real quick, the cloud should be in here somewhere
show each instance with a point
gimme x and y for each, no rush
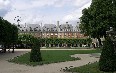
(24, 16)
(30, 4)
(5, 7)
(81, 3)
(77, 13)
(32, 11)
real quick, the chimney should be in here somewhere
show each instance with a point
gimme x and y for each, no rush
(66, 26)
(57, 25)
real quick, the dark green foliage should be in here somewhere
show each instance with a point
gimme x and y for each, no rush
(114, 15)
(35, 55)
(107, 60)
(98, 18)
(8, 33)
(26, 39)
(67, 41)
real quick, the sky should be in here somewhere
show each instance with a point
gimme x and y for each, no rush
(43, 11)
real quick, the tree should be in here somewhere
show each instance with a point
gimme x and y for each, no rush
(107, 62)
(114, 14)
(25, 39)
(8, 33)
(35, 55)
(14, 35)
(96, 19)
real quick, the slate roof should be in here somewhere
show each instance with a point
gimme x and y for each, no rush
(67, 27)
(48, 27)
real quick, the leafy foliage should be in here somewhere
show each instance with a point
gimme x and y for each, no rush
(107, 60)
(67, 41)
(98, 18)
(26, 39)
(8, 33)
(35, 55)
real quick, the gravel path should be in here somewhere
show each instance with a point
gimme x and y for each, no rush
(6, 67)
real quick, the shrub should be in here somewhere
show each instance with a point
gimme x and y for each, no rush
(107, 62)
(35, 55)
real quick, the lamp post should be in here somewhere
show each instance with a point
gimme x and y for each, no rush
(112, 35)
(18, 20)
(41, 31)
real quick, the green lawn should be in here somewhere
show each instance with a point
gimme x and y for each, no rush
(89, 68)
(51, 56)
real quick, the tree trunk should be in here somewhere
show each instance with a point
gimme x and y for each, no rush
(13, 49)
(4, 49)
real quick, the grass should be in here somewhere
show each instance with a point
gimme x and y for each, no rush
(89, 68)
(51, 56)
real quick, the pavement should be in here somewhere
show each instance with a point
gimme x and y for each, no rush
(47, 49)
(7, 67)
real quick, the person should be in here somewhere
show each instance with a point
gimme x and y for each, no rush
(93, 45)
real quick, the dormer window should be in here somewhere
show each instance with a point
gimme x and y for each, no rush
(31, 30)
(35, 29)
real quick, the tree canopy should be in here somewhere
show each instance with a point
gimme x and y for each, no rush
(98, 18)
(8, 32)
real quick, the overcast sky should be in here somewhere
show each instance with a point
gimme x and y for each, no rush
(45, 11)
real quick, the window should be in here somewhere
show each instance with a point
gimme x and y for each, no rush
(35, 29)
(56, 34)
(51, 33)
(60, 29)
(60, 34)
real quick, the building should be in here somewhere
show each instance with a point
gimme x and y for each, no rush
(52, 31)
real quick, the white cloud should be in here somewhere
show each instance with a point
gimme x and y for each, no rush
(30, 10)
(25, 4)
(26, 17)
(80, 3)
(5, 6)
(76, 14)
